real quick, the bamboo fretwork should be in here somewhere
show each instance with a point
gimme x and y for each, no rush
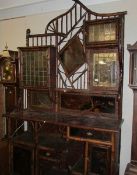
(60, 31)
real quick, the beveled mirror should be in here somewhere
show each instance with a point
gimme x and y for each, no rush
(72, 56)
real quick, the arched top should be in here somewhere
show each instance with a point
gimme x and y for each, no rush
(78, 12)
(68, 24)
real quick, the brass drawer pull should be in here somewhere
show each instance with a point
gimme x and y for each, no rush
(48, 154)
(89, 134)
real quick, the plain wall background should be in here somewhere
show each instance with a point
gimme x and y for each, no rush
(13, 32)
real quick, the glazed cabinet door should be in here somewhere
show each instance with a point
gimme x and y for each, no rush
(37, 67)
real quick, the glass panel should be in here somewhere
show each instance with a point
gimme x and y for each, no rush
(75, 102)
(103, 104)
(40, 100)
(87, 104)
(35, 68)
(104, 69)
(102, 32)
(8, 71)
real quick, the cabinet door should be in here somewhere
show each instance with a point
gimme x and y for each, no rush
(38, 67)
(103, 69)
(100, 160)
(102, 32)
(10, 98)
(22, 161)
(4, 157)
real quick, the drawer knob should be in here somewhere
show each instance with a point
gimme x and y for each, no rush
(47, 154)
(89, 134)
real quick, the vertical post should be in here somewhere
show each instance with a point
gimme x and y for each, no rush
(35, 152)
(27, 37)
(56, 57)
(134, 130)
(86, 159)
(112, 152)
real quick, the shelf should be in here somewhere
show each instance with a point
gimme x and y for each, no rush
(97, 122)
(52, 141)
(25, 138)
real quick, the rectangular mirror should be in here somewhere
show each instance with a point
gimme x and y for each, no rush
(105, 69)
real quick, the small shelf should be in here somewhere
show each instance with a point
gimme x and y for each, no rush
(25, 138)
(52, 141)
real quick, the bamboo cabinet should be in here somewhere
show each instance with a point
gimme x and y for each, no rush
(69, 113)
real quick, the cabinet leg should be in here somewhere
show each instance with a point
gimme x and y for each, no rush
(86, 159)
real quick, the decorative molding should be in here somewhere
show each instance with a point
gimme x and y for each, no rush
(31, 7)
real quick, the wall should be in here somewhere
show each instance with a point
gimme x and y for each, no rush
(13, 32)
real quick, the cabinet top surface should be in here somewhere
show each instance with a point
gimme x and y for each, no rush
(79, 121)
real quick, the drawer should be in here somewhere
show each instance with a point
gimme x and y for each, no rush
(90, 134)
(50, 155)
(48, 168)
(55, 160)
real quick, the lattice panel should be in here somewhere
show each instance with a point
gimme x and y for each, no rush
(37, 67)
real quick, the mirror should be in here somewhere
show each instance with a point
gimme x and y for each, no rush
(72, 57)
(104, 69)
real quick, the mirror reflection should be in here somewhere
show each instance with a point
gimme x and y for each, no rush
(104, 69)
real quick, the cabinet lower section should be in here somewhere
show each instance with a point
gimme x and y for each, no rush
(42, 147)
(68, 161)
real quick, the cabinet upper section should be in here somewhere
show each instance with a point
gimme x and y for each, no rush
(76, 65)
